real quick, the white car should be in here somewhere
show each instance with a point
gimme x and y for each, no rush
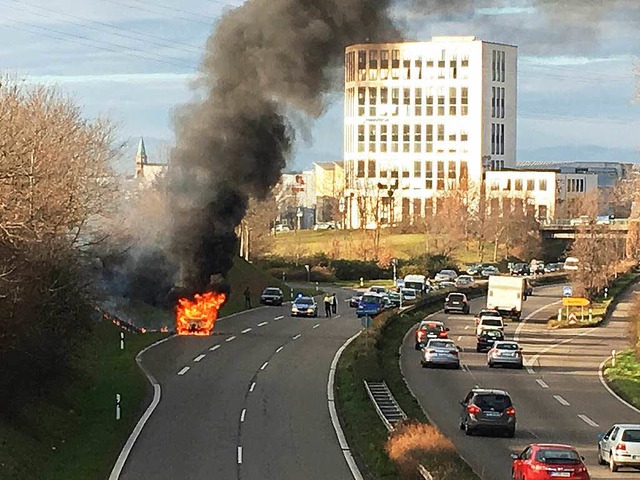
(620, 447)
(408, 294)
(465, 281)
(489, 323)
(446, 276)
(505, 353)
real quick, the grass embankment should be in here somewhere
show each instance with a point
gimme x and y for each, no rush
(374, 355)
(70, 432)
(600, 306)
(624, 378)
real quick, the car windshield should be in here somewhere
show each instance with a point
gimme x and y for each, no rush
(489, 313)
(493, 334)
(272, 291)
(377, 289)
(507, 346)
(440, 344)
(370, 299)
(408, 291)
(456, 297)
(304, 301)
(557, 455)
(492, 322)
(632, 436)
(492, 401)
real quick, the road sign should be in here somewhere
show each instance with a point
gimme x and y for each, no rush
(567, 291)
(299, 213)
(575, 302)
(573, 319)
(366, 321)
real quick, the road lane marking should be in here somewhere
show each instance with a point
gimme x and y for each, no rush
(316, 325)
(214, 348)
(231, 338)
(184, 370)
(542, 383)
(279, 349)
(561, 400)
(459, 338)
(614, 394)
(264, 365)
(253, 385)
(263, 324)
(199, 357)
(297, 336)
(530, 370)
(244, 412)
(239, 455)
(246, 330)
(587, 420)
(337, 316)
(536, 357)
(532, 433)
(279, 318)
(466, 327)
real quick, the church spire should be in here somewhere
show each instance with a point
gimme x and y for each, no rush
(141, 155)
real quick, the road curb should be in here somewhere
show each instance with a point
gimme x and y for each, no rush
(344, 446)
(157, 393)
(604, 383)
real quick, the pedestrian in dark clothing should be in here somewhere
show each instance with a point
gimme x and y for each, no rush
(327, 305)
(247, 297)
(334, 304)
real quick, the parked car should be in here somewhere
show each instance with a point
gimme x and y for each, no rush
(456, 302)
(486, 339)
(428, 330)
(488, 409)
(304, 307)
(371, 304)
(477, 268)
(446, 275)
(272, 296)
(378, 289)
(553, 267)
(548, 461)
(490, 270)
(520, 269)
(620, 447)
(465, 281)
(408, 294)
(354, 301)
(440, 352)
(507, 354)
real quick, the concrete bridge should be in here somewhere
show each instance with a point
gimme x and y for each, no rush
(570, 229)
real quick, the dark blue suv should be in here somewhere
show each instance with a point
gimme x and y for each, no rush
(371, 304)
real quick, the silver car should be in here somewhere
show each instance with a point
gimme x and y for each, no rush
(620, 447)
(440, 352)
(507, 354)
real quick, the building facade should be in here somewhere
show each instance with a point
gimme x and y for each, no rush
(421, 119)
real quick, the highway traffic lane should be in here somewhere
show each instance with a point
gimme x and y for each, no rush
(193, 432)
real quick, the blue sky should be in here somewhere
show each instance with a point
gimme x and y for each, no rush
(133, 60)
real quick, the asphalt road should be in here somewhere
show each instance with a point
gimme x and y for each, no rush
(558, 398)
(249, 402)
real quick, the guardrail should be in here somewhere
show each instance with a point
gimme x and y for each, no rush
(575, 222)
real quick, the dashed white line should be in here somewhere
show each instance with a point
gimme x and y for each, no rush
(253, 385)
(466, 327)
(279, 349)
(262, 324)
(214, 348)
(231, 338)
(587, 420)
(242, 415)
(239, 455)
(184, 370)
(199, 357)
(542, 383)
(297, 336)
(279, 317)
(459, 338)
(264, 365)
(246, 330)
(337, 316)
(530, 370)
(561, 400)
(316, 325)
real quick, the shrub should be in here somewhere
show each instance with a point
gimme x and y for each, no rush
(354, 269)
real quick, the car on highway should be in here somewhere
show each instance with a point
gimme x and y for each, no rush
(488, 409)
(553, 267)
(520, 269)
(490, 270)
(440, 352)
(476, 268)
(371, 304)
(548, 461)
(489, 323)
(304, 307)
(428, 330)
(465, 281)
(456, 302)
(486, 339)
(620, 447)
(378, 289)
(486, 312)
(354, 301)
(272, 296)
(506, 354)
(446, 275)
(447, 284)
(394, 299)
(408, 294)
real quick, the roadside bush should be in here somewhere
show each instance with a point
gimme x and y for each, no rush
(354, 269)
(429, 264)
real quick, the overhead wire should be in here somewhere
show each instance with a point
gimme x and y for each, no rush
(143, 9)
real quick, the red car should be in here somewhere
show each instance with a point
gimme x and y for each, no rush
(428, 330)
(544, 461)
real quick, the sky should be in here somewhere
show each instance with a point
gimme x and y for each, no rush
(134, 61)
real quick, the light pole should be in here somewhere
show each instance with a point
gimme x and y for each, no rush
(394, 264)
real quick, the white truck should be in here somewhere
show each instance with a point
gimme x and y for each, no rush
(416, 282)
(506, 294)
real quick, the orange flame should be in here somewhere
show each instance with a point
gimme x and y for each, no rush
(198, 316)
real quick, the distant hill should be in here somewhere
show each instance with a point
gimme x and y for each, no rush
(579, 153)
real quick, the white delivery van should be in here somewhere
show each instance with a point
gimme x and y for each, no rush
(416, 282)
(506, 294)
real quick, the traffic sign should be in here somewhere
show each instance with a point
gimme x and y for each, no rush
(567, 291)
(573, 319)
(366, 321)
(575, 302)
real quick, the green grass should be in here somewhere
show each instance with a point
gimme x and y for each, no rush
(71, 432)
(624, 378)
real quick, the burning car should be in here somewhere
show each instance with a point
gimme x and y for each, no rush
(198, 316)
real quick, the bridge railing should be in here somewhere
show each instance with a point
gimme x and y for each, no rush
(575, 223)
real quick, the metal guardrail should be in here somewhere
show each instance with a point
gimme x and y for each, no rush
(388, 409)
(575, 223)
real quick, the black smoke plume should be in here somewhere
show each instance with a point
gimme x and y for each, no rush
(267, 61)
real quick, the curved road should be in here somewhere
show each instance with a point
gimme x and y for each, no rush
(249, 402)
(558, 398)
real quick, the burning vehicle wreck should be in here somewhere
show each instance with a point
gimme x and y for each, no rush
(198, 316)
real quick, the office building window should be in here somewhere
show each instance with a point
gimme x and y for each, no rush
(502, 66)
(464, 174)
(452, 170)
(464, 136)
(464, 106)
(406, 101)
(371, 170)
(372, 138)
(441, 132)
(383, 173)
(361, 138)
(360, 168)
(406, 68)
(395, 99)
(453, 100)
(428, 168)
(406, 138)
(493, 64)
(384, 59)
(531, 185)
(507, 186)
(440, 101)
(502, 139)
(361, 100)
(405, 173)
(502, 112)
(428, 184)
(493, 139)
(394, 173)
(417, 138)
(383, 138)
(493, 102)
(418, 102)
(429, 101)
(542, 185)
(384, 95)
(417, 169)
(394, 138)
(518, 184)
(373, 59)
(429, 138)
(452, 137)
(373, 101)
(495, 185)
(464, 61)
(542, 212)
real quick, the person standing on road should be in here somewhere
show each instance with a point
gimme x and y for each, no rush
(334, 303)
(327, 305)
(247, 297)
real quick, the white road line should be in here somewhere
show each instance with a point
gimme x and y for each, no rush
(263, 324)
(337, 316)
(231, 338)
(279, 349)
(561, 400)
(542, 383)
(239, 455)
(316, 325)
(199, 357)
(530, 370)
(184, 370)
(264, 365)
(214, 348)
(587, 420)
(297, 336)
(532, 433)
(253, 385)
(466, 327)
(246, 330)
(279, 318)
(459, 338)
(536, 357)
(242, 415)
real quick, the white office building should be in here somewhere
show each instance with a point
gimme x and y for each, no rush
(423, 118)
